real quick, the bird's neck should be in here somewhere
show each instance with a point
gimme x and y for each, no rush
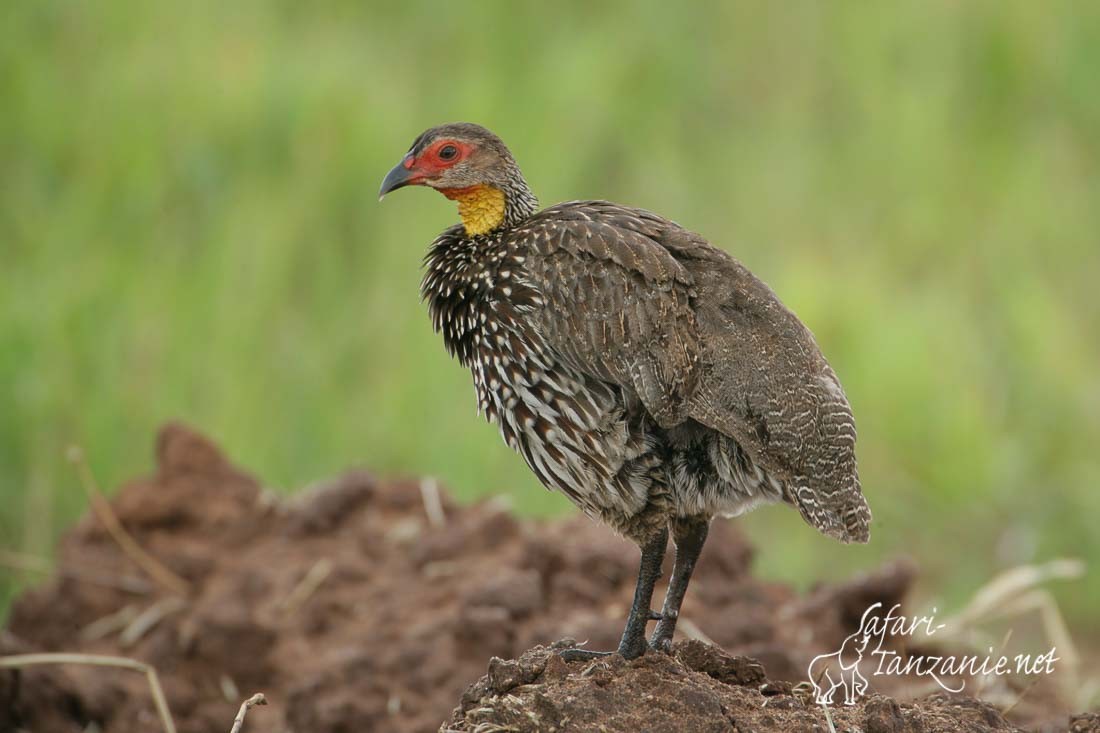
(484, 208)
(481, 208)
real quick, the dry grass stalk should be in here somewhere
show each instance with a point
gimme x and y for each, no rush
(433, 505)
(112, 623)
(230, 691)
(1016, 592)
(17, 661)
(102, 508)
(1019, 697)
(307, 586)
(238, 722)
(148, 619)
(488, 727)
(990, 600)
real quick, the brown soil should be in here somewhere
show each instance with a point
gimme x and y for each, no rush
(353, 611)
(698, 688)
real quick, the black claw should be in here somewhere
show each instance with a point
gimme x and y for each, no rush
(654, 615)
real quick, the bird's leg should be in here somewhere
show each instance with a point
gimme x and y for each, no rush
(633, 642)
(690, 535)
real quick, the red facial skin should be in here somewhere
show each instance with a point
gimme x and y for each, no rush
(428, 164)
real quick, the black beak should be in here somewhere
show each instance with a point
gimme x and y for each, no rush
(399, 177)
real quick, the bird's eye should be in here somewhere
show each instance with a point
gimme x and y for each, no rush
(448, 152)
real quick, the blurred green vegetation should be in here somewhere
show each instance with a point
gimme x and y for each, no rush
(189, 228)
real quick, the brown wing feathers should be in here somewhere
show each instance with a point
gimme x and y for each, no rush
(635, 300)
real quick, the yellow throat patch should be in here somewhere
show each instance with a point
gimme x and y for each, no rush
(480, 207)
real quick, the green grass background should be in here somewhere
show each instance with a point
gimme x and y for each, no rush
(189, 228)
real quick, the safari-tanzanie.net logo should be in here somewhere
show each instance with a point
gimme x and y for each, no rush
(840, 676)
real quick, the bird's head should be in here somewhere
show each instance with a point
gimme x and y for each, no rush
(469, 164)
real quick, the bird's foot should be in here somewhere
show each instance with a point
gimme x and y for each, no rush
(661, 641)
(662, 645)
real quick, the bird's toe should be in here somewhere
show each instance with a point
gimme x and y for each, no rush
(582, 655)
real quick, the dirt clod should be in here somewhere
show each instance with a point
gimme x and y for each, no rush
(719, 665)
(1085, 723)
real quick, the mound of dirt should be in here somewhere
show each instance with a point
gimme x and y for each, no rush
(365, 605)
(698, 688)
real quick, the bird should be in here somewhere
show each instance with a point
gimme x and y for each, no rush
(639, 370)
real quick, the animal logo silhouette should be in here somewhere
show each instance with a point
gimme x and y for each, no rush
(830, 672)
